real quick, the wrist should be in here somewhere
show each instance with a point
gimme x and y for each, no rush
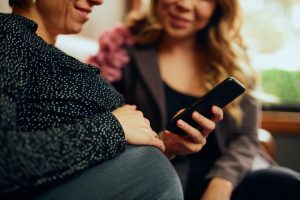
(218, 188)
(221, 182)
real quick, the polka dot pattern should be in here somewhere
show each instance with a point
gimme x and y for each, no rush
(55, 111)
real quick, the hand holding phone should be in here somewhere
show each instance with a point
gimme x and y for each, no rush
(220, 96)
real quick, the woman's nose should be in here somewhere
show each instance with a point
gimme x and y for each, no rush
(185, 4)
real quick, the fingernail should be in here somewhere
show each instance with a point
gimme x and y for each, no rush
(216, 109)
(196, 114)
(180, 123)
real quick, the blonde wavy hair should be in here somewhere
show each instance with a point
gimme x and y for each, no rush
(226, 52)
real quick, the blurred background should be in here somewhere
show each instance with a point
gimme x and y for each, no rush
(271, 30)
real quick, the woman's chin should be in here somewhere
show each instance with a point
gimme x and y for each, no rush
(74, 30)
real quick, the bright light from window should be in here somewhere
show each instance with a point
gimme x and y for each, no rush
(270, 32)
(252, 6)
(296, 17)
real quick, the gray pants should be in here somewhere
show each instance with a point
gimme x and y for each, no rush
(139, 173)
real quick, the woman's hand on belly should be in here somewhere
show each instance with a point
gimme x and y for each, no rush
(136, 127)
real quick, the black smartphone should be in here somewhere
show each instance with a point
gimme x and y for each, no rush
(220, 96)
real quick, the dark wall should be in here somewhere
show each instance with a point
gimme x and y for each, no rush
(287, 150)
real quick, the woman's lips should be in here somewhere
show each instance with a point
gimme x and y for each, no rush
(84, 12)
(179, 22)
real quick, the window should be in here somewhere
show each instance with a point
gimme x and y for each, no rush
(271, 29)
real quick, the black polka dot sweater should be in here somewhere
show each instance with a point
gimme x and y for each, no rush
(55, 111)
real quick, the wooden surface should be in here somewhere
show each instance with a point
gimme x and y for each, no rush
(281, 122)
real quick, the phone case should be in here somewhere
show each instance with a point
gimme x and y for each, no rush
(221, 95)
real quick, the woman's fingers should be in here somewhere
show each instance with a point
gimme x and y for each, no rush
(206, 124)
(157, 142)
(149, 137)
(195, 137)
(182, 145)
(131, 107)
(192, 132)
(136, 127)
(197, 134)
(218, 114)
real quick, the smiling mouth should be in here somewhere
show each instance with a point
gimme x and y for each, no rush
(84, 12)
(179, 22)
(180, 19)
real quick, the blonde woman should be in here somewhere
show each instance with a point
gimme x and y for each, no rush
(176, 52)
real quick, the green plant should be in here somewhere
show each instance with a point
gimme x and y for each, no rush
(283, 84)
